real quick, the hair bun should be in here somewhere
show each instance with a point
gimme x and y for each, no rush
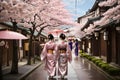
(62, 36)
(50, 37)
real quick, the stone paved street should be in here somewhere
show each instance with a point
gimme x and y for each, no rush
(79, 69)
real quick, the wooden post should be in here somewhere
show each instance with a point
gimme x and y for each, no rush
(2, 43)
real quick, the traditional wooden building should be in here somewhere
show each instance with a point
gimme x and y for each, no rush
(7, 49)
(103, 41)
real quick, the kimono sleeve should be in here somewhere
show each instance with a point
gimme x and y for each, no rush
(44, 52)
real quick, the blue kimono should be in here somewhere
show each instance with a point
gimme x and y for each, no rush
(76, 48)
(70, 44)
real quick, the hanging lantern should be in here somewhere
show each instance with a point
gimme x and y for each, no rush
(105, 36)
(118, 28)
(96, 35)
(2, 43)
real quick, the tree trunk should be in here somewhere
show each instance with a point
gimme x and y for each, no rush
(14, 68)
(1, 63)
(30, 51)
(7, 57)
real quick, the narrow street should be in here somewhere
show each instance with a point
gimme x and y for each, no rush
(29, 29)
(78, 70)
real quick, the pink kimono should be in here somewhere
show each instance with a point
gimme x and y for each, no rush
(64, 55)
(49, 58)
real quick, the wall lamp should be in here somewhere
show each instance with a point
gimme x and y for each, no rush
(96, 33)
(118, 29)
(105, 35)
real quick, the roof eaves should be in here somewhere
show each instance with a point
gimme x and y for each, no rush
(90, 21)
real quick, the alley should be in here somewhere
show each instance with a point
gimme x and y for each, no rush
(78, 70)
(90, 26)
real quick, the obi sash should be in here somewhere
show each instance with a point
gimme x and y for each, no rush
(50, 51)
(62, 50)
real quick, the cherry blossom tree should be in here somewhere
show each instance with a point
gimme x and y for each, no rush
(11, 11)
(45, 15)
(76, 31)
(90, 29)
(2, 43)
(108, 3)
(36, 15)
(112, 13)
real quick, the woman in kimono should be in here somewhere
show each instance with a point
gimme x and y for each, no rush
(63, 55)
(70, 44)
(48, 56)
(76, 48)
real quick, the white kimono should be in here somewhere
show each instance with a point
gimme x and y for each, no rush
(64, 56)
